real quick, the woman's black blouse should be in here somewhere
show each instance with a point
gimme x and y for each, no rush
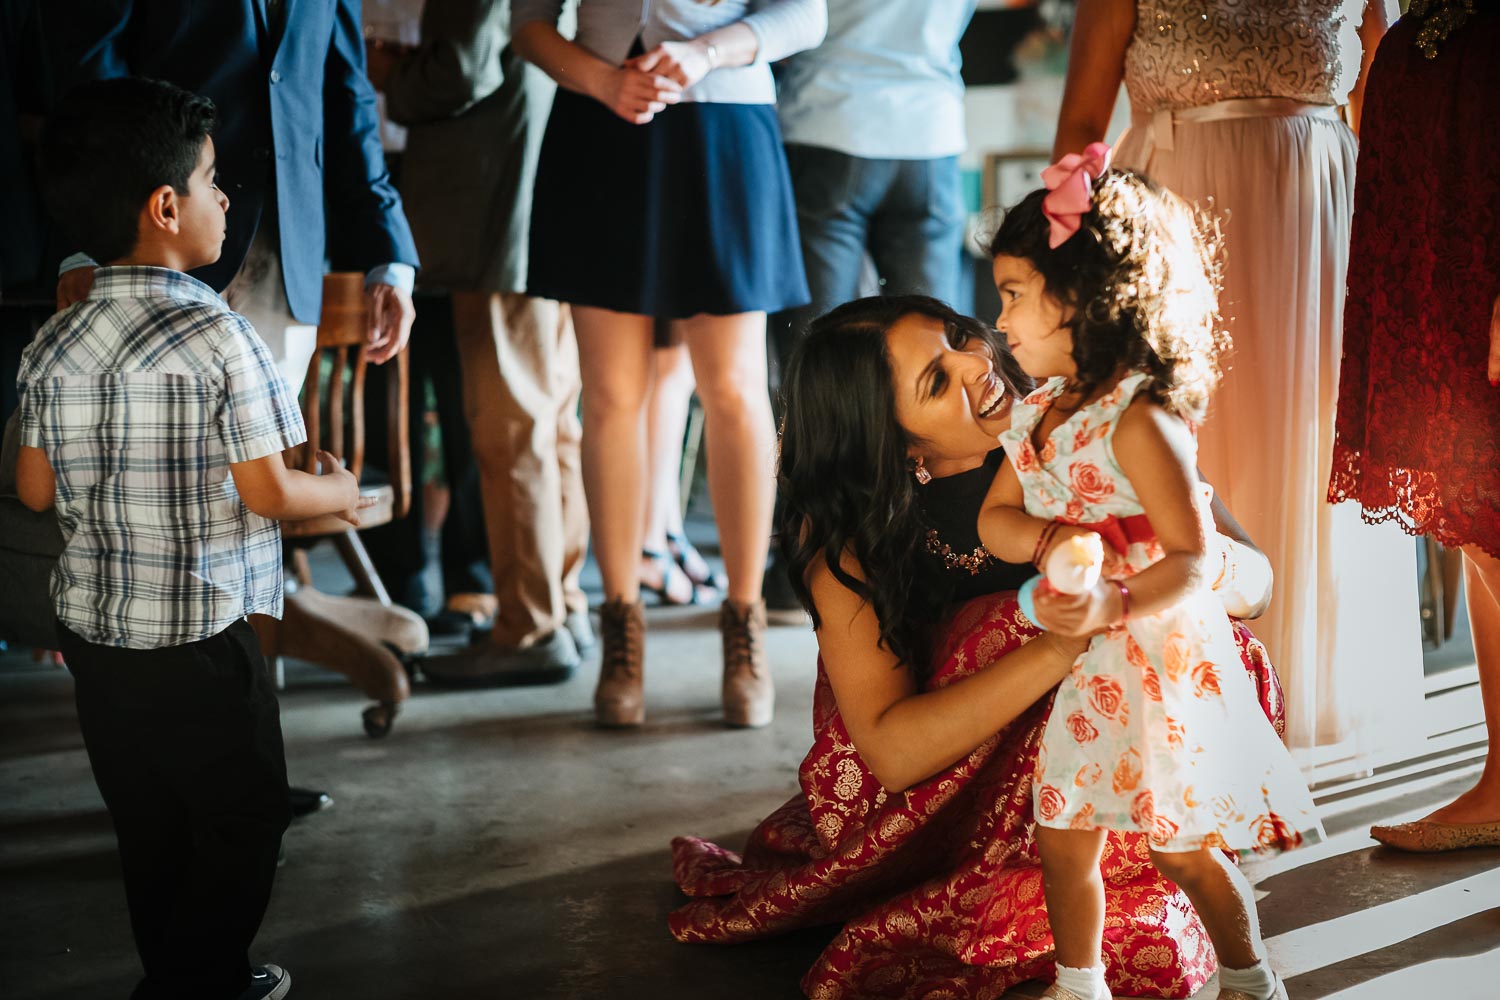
(957, 566)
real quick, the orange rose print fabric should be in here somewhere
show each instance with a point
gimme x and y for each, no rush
(1156, 731)
(937, 892)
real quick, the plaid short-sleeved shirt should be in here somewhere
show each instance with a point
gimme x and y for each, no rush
(141, 396)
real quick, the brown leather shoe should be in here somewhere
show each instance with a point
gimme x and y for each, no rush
(550, 660)
(749, 698)
(620, 699)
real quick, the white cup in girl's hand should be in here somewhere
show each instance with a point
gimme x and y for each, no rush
(1074, 565)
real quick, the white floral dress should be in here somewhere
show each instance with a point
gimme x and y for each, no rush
(1158, 729)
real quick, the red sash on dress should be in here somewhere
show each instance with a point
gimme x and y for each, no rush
(1119, 532)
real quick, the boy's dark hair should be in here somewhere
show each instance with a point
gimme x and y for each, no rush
(1141, 277)
(107, 146)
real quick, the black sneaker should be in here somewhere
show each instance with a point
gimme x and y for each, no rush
(268, 982)
(450, 626)
(306, 801)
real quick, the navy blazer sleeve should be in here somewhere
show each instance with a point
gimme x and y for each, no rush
(366, 227)
(89, 42)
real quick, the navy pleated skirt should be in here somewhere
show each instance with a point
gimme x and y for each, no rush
(691, 213)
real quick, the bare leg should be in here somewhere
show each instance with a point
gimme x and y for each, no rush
(575, 515)
(614, 351)
(1481, 804)
(435, 502)
(664, 528)
(1075, 893)
(666, 423)
(1222, 896)
(729, 361)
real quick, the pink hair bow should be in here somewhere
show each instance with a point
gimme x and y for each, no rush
(1070, 190)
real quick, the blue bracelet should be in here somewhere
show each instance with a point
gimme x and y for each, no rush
(1024, 597)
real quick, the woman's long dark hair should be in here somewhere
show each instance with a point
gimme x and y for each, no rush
(844, 480)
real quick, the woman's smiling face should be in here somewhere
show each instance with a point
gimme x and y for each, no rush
(950, 399)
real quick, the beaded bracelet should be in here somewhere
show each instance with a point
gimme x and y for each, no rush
(1041, 544)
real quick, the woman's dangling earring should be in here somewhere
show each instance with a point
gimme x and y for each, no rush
(920, 471)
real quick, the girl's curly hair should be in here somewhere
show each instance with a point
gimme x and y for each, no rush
(1140, 279)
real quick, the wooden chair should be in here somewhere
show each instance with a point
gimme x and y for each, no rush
(365, 637)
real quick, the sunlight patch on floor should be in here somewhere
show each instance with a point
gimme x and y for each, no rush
(1328, 942)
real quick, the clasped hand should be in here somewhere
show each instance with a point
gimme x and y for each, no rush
(644, 86)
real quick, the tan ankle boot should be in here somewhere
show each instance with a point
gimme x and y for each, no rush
(620, 699)
(749, 698)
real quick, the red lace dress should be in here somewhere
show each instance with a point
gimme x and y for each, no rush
(1418, 431)
(939, 890)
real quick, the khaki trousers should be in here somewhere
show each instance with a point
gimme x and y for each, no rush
(521, 387)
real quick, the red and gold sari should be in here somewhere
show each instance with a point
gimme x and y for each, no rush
(939, 889)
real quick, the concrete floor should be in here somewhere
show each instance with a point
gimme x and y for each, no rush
(497, 845)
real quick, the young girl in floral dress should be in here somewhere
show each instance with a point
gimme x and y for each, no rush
(1107, 290)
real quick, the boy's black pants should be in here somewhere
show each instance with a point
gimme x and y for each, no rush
(185, 743)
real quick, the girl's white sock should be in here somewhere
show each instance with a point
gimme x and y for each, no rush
(1258, 980)
(1086, 984)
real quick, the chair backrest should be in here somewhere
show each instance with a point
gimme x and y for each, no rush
(333, 395)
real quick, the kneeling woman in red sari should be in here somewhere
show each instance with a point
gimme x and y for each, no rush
(914, 824)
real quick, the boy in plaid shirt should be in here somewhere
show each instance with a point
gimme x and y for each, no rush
(154, 419)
